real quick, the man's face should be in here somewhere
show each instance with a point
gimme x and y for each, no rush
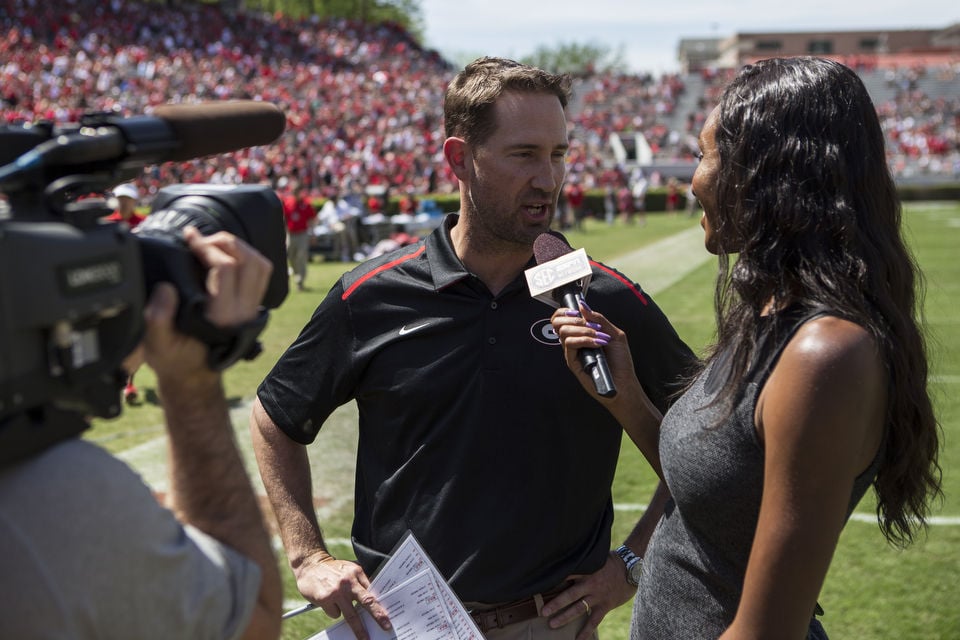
(515, 176)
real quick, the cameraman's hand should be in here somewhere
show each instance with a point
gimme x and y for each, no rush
(237, 277)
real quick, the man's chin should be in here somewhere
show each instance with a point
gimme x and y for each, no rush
(534, 231)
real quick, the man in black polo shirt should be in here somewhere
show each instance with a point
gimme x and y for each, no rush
(473, 433)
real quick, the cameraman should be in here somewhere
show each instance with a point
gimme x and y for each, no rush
(89, 553)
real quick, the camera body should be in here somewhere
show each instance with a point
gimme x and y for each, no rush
(73, 286)
(71, 303)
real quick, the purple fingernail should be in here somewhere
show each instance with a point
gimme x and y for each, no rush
(603, 336)
(600, 342)
(585, 305)
(572, 313)
(593, 325)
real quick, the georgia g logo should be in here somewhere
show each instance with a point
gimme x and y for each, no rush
(544, 333)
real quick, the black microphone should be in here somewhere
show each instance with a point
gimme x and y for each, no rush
(174, 132)
(550, 246)
(212, 128)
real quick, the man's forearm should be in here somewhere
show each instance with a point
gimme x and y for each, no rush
(285, 471)
(210, 488)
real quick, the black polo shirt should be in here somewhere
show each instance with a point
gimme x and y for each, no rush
(473, 432)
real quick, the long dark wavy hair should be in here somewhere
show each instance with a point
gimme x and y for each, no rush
(809, 214)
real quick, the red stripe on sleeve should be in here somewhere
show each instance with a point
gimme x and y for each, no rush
(381, 268)
(619, 277)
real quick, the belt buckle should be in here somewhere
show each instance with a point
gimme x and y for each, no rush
(504, 615)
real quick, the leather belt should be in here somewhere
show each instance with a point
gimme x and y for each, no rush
(513, 612)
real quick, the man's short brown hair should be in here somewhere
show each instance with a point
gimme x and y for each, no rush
(468, 102)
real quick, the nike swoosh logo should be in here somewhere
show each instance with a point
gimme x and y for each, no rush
(404, 330)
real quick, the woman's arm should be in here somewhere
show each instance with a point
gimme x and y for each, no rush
(820, 417)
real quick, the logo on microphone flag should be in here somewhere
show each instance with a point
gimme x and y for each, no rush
(570, 267)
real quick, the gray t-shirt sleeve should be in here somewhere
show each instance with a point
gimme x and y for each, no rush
(242, 578)
(89, 552)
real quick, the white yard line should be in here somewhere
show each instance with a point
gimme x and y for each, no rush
(658, 266)
(636, 507)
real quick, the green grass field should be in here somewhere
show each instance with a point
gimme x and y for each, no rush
(873, 591)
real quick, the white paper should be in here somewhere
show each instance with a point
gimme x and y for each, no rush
(409, 558)
(416, 611)
(421, 605)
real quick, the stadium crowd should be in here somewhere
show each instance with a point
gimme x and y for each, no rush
(363, 102)
(923, 132)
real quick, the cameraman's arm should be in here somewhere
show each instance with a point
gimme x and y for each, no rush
(209, 485)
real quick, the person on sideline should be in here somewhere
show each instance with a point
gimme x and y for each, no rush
(575, 204)
(340, 219)
(128, 197)
(472, 432)
(88, 551)
(816, 388)
(300, 216)
(639, 187)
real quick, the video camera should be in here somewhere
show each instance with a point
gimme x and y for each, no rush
(73, 286)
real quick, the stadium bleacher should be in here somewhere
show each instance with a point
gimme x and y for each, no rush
(364, 102)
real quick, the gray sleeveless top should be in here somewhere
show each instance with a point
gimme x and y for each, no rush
(694, 566)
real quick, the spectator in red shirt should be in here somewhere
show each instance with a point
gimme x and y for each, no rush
(128, 197)
(300, 215)
(373, 205)
(408, 204)
(575, 197)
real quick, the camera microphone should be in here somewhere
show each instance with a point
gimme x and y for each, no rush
(174, 132)
(211, 128)
(560, 274)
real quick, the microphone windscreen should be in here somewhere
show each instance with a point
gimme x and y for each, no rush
(550, 245)
(211, 128)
